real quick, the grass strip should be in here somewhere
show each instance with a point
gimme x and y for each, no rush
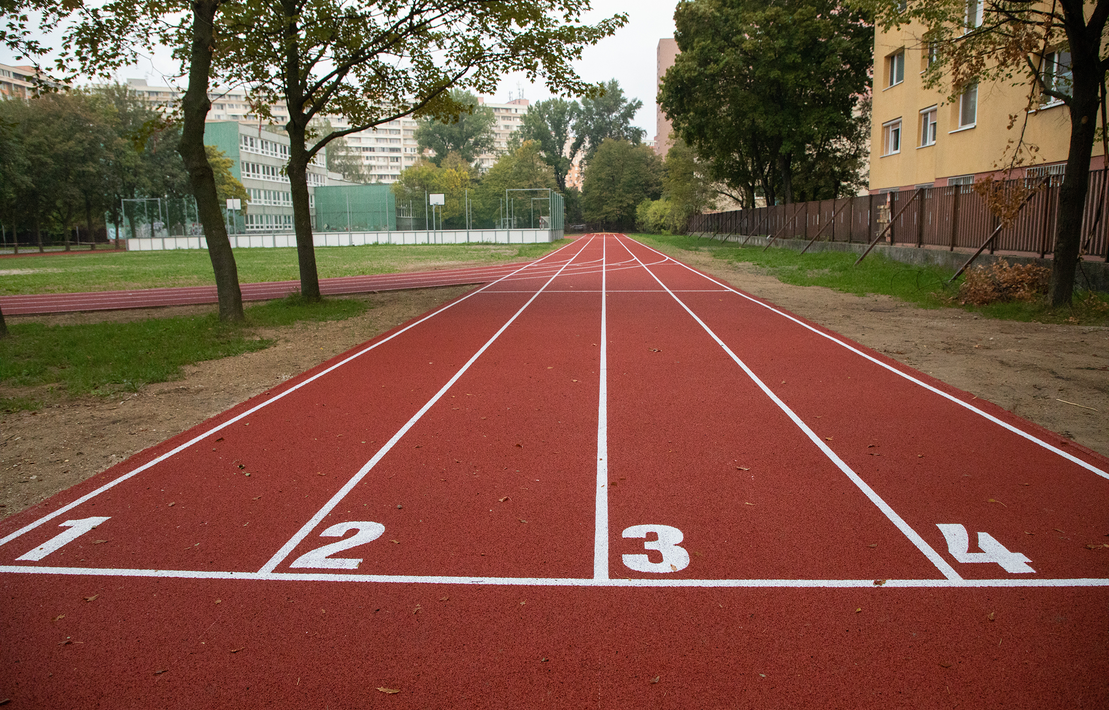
(923, 286)
(109, 357)
(123, 270)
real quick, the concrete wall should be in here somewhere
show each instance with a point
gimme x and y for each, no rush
(342, 239)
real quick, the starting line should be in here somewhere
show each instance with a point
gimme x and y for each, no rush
(566, 582)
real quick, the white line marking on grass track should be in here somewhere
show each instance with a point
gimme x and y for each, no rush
(907, 376)
(600, 532)
(926, 549)
(208, 432)
(565, 582)
(289, 546)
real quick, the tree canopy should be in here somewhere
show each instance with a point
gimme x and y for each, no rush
(769, 94)
(617, 180)
(550, 124)
(608, 114)
(467, 133)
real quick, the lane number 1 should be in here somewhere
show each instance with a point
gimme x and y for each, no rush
(958, 544)
(77, 528)
(674, 558)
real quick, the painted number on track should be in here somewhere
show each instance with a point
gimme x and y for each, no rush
(77, 528)
(321, 558)
(674, 558)
(958, 544)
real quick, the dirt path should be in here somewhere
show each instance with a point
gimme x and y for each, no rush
(1056, 376)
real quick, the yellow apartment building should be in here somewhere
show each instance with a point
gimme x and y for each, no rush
(918, 139)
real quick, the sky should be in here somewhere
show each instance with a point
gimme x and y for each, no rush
(629, 56)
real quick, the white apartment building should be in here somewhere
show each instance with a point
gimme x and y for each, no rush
(385, 151)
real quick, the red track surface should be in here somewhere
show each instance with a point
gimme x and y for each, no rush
(192, 295)
(484, 472)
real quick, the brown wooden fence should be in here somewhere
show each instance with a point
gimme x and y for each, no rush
(953, 217)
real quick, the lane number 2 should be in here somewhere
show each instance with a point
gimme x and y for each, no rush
(77, 528)
(674, 558)
(321, 558)
(958, 544)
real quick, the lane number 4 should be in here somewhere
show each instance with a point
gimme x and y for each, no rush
(321, 557)
(958, 544)
(674, 558)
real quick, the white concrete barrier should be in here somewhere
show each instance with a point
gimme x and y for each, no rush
(342, 239)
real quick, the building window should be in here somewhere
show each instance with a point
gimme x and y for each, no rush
(975, 9)
(895, 68)
(968, 107)
(891, 137)
(1056, 75)
(928, 127)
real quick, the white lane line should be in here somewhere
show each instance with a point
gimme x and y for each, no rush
(926, 549)
(600, 534)
(307, 528)
(1069, 457)
(567, 581)
(208, 432)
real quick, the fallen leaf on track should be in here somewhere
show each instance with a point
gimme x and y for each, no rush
(236, 650)
(992, 616)
(655, 679)
(389, 691)
(994, 500)
(880, 582)
(92, 598)
(501, 500)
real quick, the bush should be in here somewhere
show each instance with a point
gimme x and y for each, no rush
(652, 216)
(1002, 282)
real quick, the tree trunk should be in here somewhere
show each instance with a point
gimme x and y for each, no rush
(88, 223)
(298, 158)
(3, 325)
(1085, 88)
(195, 107)
(38, 233)
(302, 216)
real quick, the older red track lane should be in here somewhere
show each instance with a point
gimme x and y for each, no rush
(604, 479)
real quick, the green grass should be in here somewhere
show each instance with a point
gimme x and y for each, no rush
(924, 286)
(110, 357)
(115, 270)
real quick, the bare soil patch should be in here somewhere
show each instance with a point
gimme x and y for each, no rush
(1056, 376)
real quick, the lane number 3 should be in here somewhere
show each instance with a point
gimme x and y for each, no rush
(674, 558)
(321, 557)
(958, 544)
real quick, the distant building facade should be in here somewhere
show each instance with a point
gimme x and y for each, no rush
(666, 53)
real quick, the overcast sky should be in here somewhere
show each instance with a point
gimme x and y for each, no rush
(628, 56)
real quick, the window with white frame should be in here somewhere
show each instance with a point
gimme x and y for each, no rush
(975, 10)
(928, 126)
(1056, 75)
(891, 137)
(895, 67)
(968, 107)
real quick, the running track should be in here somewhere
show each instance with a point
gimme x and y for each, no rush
(193, 295)
(603, 480)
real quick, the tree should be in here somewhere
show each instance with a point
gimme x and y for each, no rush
(468, 134)
(617, 180)
(375, 62)
(451, 179)
(685, 186)
(768, 93)
(1015, 41)
(522, 169)
(550, 123)
(607, 114)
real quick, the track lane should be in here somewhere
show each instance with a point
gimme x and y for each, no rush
(945, 465)
(207, 514)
